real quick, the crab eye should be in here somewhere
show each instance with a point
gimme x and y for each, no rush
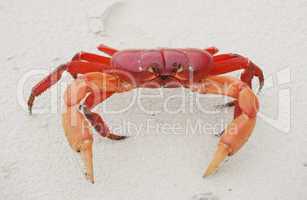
(179, 68)
(153, 69)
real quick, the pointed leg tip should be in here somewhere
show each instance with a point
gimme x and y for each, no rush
(226, 105)
(122, 137)
(87, 157)
(220, 155)
(30, 103)
(90, 178)
(116, 137)
(209, 172)
(261, 84)
(259, 91)
(30, 110)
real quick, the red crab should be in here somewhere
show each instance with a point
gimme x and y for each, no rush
(98, 77)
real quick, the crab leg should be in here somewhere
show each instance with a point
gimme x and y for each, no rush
(93, 99)
(94, 88)
(99, 125)
(73, 67)
(225, 63)
(82, 67)
(98, 96)
(108, 50)
(239, 130)
(44, 84)
(90, 57)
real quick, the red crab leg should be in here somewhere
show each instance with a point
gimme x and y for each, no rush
(99, 125)
(90, 57)
(225, 63)
(44, 84)
(73, 67)
(81, 67)
(212, 50)
(239, 130)
(95, 119)
(95, 96)
(108, 50)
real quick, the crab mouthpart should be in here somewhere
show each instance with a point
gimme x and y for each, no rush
(164, 77)
(168, 81)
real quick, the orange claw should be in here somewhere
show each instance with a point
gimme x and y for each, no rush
(234, 137)
(239, 130)
(93, 88)
(220, 154)
(79, 136)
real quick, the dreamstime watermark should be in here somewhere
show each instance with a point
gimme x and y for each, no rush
(185, 101)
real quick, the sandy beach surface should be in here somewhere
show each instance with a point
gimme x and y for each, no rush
(171, 130)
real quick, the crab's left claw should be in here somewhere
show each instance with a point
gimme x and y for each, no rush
(87, 156)
(239, 130)
(233, 138)
(79, 136)
(78, 119)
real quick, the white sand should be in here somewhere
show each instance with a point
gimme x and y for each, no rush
(36, 161)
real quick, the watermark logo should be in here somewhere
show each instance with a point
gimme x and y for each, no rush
(279, 107)
(275, 107)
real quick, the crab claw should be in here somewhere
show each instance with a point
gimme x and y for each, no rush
(220, 154)
(239, 130)
(234, 137)
(87, 157)
(79, 136)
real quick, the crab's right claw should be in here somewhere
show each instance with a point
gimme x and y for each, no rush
(79, 136)
(220, 154)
